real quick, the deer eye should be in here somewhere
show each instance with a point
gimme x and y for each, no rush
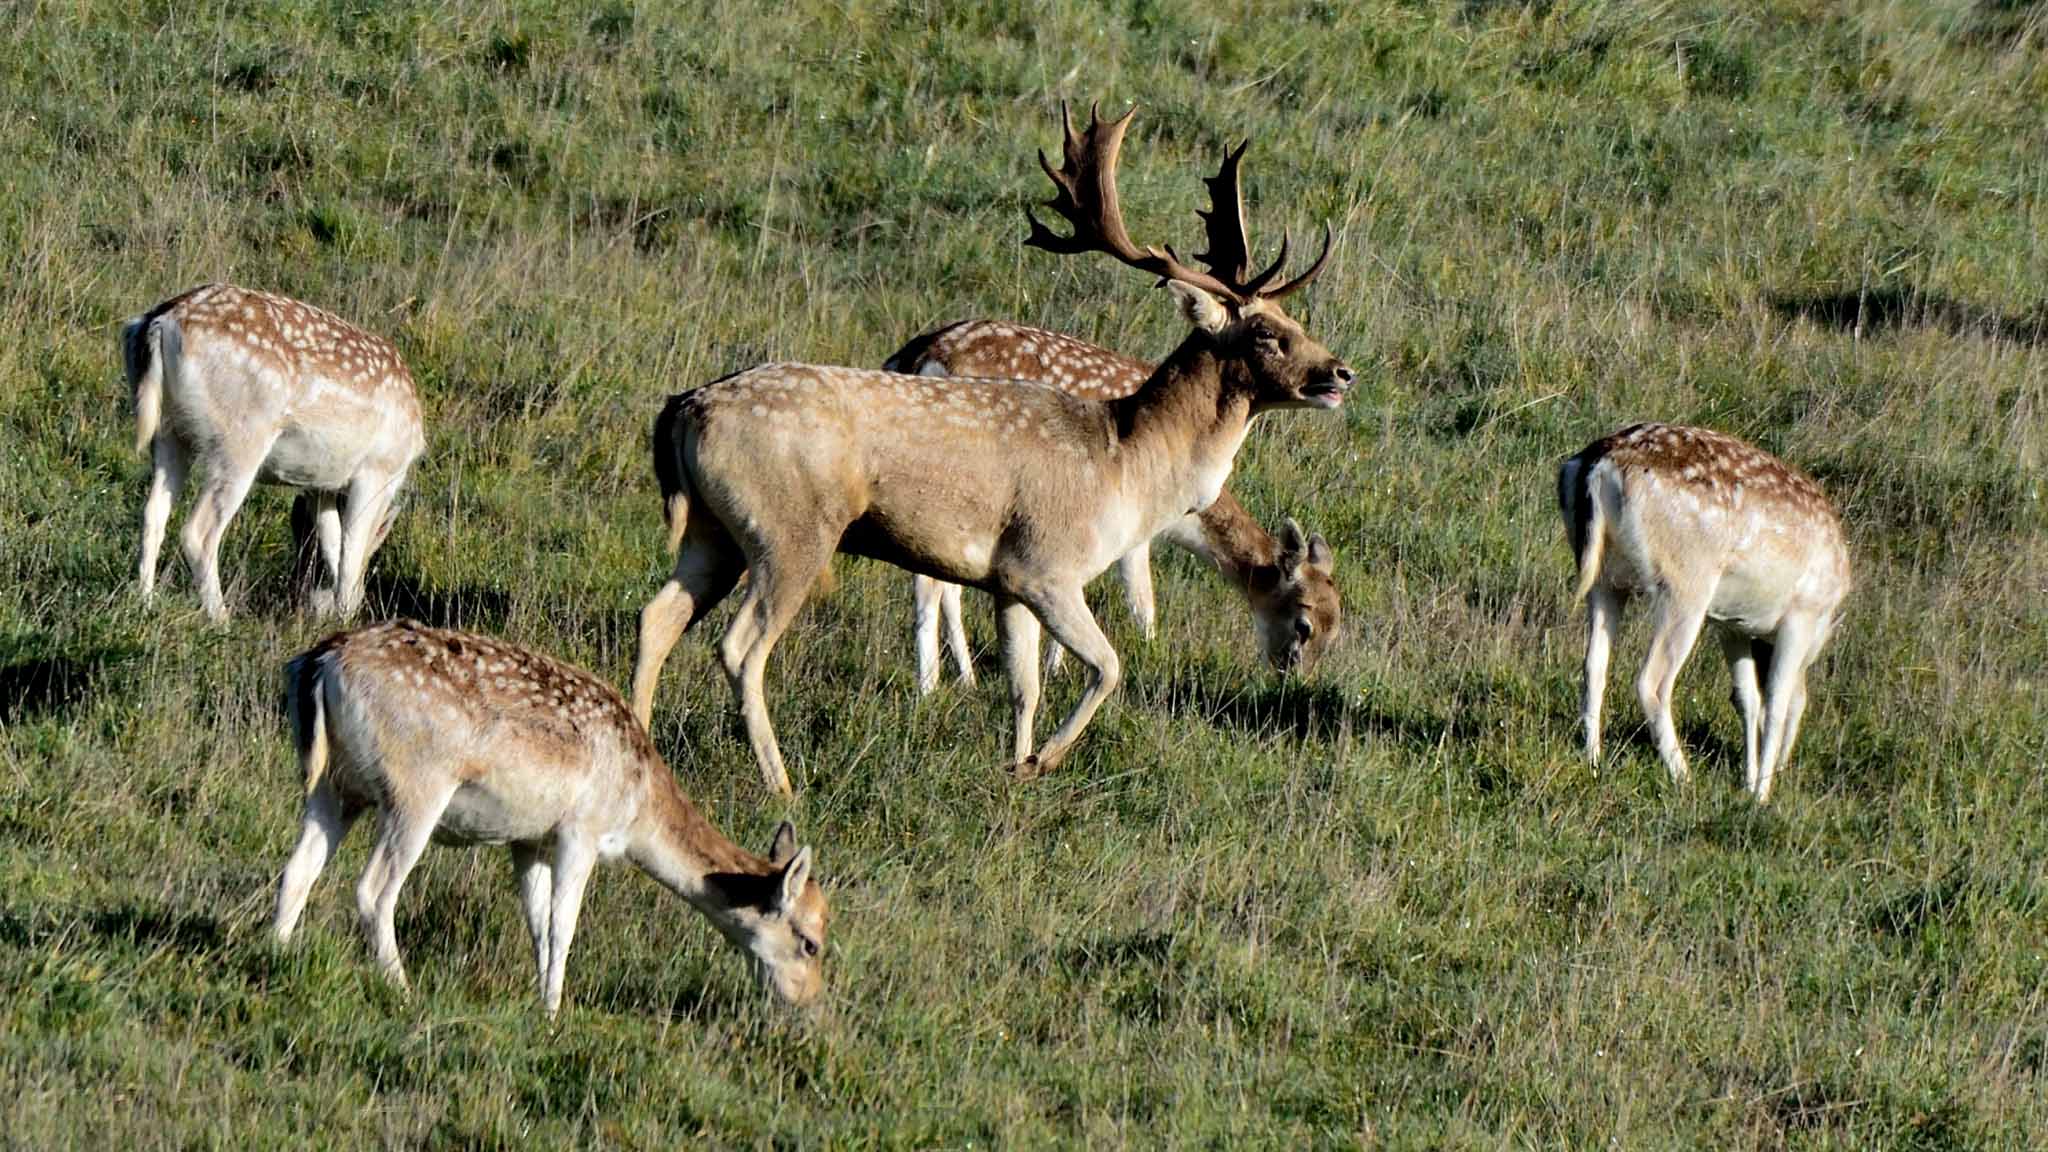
(810, 946)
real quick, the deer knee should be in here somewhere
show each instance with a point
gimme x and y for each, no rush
(367, 891)
(192, 541)
(1109, 671)
(1650, 690)
(733, 654)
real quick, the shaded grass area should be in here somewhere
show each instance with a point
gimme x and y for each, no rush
(1386, 905)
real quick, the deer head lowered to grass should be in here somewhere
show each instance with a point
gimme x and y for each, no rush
(1706, 527)
(1026, 493)
(1285, 579)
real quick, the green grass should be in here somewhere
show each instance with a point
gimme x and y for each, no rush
(1386, 905)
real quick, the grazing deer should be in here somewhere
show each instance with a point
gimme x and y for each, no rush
(1294, 602)
(1709, 528)
(251, 386)
(1025, 492)
(468, 740)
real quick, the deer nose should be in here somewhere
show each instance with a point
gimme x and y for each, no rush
(1343, 374)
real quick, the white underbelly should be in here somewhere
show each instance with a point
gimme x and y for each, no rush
(305, 457)
(1747, 606)
(478, 816)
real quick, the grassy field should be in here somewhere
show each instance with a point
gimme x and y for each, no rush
(1386, 905)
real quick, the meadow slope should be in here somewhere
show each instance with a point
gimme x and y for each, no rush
(1384, 905)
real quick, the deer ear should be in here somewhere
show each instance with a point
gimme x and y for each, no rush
(1201, 309)
(1291, 545)
(783, 846)
(1319, 554)
(794, 876)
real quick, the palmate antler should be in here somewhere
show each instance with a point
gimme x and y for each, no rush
(1085, 195)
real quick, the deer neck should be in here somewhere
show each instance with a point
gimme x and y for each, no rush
(675, 844)
(1231, 539)
(1179, 433)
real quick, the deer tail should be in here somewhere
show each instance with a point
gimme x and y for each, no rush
(306, 709)
(671, 472)
(142, 351)
(912, 357)
(1585, 521)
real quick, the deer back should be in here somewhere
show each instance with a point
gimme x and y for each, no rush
(331, 391)
(1700, 509)
(534, 741)
(997, 349)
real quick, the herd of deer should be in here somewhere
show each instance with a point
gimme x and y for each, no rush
(1014, 460)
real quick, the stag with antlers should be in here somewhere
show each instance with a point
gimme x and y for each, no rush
(1285, 579)
(1026, 493)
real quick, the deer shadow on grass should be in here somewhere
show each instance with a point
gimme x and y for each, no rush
(34, 686)
(1311, 709)
(471, 607)
(1890, 308)
(150, 929)
(388, 589)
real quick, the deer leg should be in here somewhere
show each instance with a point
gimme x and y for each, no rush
(167, 475)
(1055, 659)
(326, 824)
(1603, 618)
(707, 566)
(227, 485)
(402, 836)
(365, 517)
(956, 632)
(1064, 612)
(375, 872)
(536, 877)
(1792, 651)
(1134, 568)
(574, 857)
(1673, 632)
(926, 596)
(777, 592)
(1018, 630)
(318, 576)
(1792, 722)
(1740, 651)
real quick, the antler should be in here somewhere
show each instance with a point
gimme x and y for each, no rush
(1085, 194)
(1299, 282)
(1230, 251)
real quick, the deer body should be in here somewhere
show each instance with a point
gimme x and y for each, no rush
(1018, 489)
(466, 740)
(247, 387)
(1708, 528)
(1294, 602)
